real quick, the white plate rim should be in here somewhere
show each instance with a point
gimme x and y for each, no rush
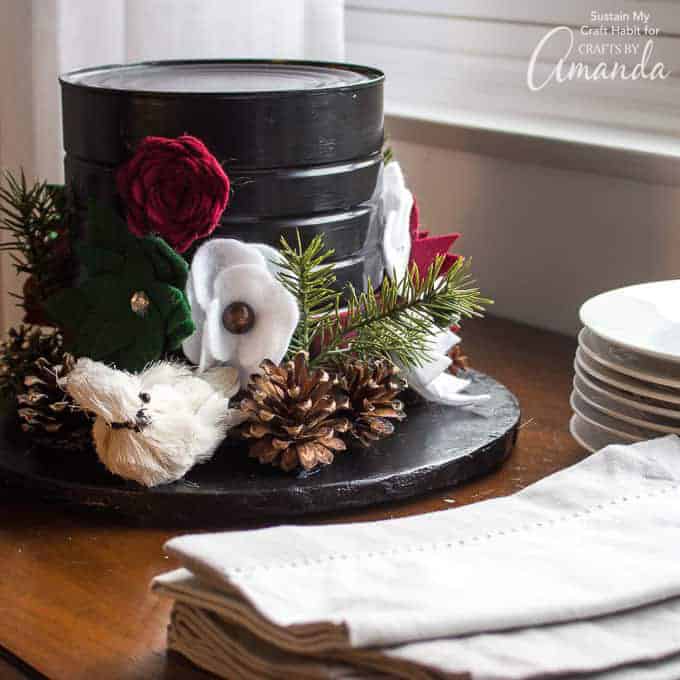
(649, 408)
(576, 422)
(651, 393)
(664, 429)
(579, 440)
(618, 433)
(583, 316)
(640, 375)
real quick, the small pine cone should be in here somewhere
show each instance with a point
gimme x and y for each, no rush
(19, 352)
(47, 414)
(373, 388)
(459, 362)
(293, 418)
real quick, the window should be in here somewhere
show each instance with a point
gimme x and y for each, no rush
(465, 62)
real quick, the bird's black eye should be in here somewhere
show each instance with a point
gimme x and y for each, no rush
(145, 397)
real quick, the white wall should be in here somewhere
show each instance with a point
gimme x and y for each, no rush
(542, 240)
(468, 59)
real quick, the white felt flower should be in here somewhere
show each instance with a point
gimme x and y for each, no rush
(227, 274)
(209, 260)
(397, 204)
(433, 381)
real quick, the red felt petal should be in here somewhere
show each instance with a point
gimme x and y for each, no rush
(449, 260)
(425, 250)
(442, 242)
(414, 220)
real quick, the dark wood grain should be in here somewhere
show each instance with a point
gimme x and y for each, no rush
(74, 588)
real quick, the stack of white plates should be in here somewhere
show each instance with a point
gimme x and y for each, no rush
(627, 367)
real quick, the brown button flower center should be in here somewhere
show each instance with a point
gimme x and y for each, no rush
(238, 318)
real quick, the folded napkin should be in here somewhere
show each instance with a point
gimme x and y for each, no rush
(577, 574)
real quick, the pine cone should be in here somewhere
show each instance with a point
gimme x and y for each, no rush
(47, 413)
(293, 415)
(372, 388)
(19, 352)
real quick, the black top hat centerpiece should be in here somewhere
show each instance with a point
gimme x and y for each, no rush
(234, 271)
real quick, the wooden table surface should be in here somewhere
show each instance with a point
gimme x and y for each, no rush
(74, 596)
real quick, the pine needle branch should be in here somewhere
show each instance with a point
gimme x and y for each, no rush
(306, 274)
(34, 219)
(31, 216)
(399, 323)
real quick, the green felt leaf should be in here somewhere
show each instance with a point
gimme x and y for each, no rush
(169, 267)
(98, 339)
(137, 267)
(175, 309)
(99, 260)
(98, 315)
(148, 344)
(98, 334)
(67, 307)
(106, 229)
(180, 328)
(101, 293)
(102, 340)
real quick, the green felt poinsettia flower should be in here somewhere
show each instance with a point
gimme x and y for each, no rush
(130, 307)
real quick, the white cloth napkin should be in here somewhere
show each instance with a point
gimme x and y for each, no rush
(579, 573)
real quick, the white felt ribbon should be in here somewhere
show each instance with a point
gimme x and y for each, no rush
(397, 204)
(432, 380)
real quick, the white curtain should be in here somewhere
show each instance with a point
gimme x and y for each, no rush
(41, 38)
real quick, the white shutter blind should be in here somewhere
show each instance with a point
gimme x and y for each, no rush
(465, 61)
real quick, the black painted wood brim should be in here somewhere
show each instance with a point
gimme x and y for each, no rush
(434, 448)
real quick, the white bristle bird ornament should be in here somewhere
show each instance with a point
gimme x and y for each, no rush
(154, 426)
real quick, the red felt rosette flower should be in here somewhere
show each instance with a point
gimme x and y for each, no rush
(174, 188)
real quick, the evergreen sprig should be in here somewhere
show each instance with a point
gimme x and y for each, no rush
(36, 219)
(398, 323)
(306, 274)
(33, 217)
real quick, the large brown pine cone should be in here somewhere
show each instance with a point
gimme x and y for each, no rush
(373, 387)
(47, 414)
(293, 418)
